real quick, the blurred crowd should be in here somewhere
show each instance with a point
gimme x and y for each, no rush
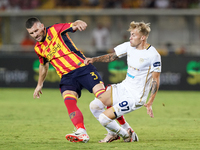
(19, 4)
(57, 4)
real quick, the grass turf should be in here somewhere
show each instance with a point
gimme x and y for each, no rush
(29, 124)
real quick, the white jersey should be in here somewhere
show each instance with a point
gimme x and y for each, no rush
(141, 65)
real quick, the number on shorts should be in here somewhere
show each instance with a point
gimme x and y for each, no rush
(93, 74)
(124, 104)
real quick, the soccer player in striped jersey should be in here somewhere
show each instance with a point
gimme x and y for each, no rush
(143, 75)
(56, 47)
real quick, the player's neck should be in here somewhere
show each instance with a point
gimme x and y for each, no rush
(142, 46)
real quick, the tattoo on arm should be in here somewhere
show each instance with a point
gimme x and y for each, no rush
(106, 58)
(154, 87)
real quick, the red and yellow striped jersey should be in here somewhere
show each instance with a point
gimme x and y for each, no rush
(58, 49)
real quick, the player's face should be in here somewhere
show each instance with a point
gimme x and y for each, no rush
(135, 38)
(37, 31)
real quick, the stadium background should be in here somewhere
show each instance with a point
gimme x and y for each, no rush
(175, 33)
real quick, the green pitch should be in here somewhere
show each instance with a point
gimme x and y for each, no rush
(41, 124)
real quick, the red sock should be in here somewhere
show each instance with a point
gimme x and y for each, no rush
(74, 112)
(121, 119)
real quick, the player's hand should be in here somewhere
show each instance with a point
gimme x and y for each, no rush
(79, 25)
(149, 110)
(38, 91)
(88, 61)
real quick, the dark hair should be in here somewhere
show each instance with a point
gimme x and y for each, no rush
(30, 22)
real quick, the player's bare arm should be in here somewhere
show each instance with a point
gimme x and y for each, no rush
(104, 58)
(154, 90)
(43, 70)
(79, 25)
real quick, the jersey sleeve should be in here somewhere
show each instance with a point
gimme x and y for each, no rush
(63, 27)
(121, 50)
(156, 63)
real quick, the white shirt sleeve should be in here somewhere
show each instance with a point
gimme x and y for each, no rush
(121, 50)
(156, 63)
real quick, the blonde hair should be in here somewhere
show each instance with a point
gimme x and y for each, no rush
(143, 28)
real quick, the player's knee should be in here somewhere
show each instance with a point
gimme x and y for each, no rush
(104, 120)
(92, 105)
(96, 104)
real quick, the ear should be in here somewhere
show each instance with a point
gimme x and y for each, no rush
(42, 25)
(143, 37)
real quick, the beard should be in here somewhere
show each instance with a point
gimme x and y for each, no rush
(41, 37)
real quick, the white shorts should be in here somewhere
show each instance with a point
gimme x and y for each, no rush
(124, 101)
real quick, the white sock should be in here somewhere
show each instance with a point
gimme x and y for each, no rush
(110, 132)
(97, 107)
(112, 125)
(126, 126)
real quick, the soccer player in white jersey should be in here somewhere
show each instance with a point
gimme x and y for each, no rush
(143, 76)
